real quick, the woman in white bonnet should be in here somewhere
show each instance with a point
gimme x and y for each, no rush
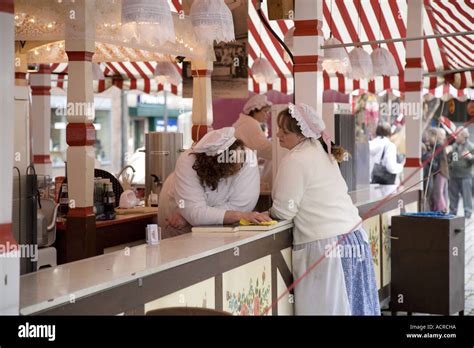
(332, 262)
(213, 184)
(248, 129)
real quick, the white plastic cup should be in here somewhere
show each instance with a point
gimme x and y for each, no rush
(153, 234)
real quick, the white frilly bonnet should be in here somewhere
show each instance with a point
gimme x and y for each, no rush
(311, 125)
(257, 102)
(215, 142)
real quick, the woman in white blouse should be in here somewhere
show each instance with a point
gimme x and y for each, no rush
(332, 263)
(384, 151)
(213, 184)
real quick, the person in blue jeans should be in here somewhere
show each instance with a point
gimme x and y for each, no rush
(460, 170)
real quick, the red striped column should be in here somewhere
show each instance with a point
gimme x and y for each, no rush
(40, 83)
(308, 38)
(413, 97)
(9, 265)
(80, 131)
(202, 98)
(21, 69)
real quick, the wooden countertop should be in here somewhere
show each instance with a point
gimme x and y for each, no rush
(119, 219)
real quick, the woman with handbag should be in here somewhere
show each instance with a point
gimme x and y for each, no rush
(383, 157)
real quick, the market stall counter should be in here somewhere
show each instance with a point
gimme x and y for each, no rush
(240, 273)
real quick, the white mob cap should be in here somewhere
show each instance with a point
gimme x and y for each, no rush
(257, 102)
(216, 141)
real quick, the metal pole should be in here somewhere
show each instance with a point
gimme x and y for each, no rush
(124, 129)
(165, 115)
(446, 72)
(376, 42)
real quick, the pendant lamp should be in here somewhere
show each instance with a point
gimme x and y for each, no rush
(263, 71)
(147, 20)
(166, 72)
(212, 21)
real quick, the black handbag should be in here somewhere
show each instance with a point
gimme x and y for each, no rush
(380, 174)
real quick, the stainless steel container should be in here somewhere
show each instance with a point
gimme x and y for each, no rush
(162, 150)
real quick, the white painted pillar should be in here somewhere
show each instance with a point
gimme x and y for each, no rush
(21, 126)
(41, 119)
(308, 37)
(202, 98)
(21, 69)
(80, 131)
(9, 264)
(413, 103)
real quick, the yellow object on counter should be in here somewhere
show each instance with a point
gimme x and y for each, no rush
(244, 222)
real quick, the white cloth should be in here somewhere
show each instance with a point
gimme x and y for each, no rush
(216, 141)
(182, 192)
(257, 102)
(321, 291)
(249, 131)
(310, 189)
(376, 147)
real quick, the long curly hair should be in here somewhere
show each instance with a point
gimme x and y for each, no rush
(289, 124)
(211, 170)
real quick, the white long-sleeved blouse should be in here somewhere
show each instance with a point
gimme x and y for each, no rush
(198, 204)
(309, 188)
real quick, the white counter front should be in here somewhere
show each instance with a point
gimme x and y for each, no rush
(70, 282)
(204, 270)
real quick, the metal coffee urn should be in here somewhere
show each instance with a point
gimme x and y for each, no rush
(162, 150)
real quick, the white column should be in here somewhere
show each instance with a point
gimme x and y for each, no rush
(202, 98)
(308, 38)
(41, 119)
(80, 132)
(9, 265)
(21, 69)
(413, 103)
(22, 127)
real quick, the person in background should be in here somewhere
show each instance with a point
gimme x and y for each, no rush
(212, 185)
(248, 129)
(383, 151)
(309, 188)
(438, 167)
(442, 138)
(461, 161)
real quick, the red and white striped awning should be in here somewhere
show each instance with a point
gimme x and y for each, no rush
(444, 91)
(124, 75)
(263, 44)
(368, 20)
(447, 92)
